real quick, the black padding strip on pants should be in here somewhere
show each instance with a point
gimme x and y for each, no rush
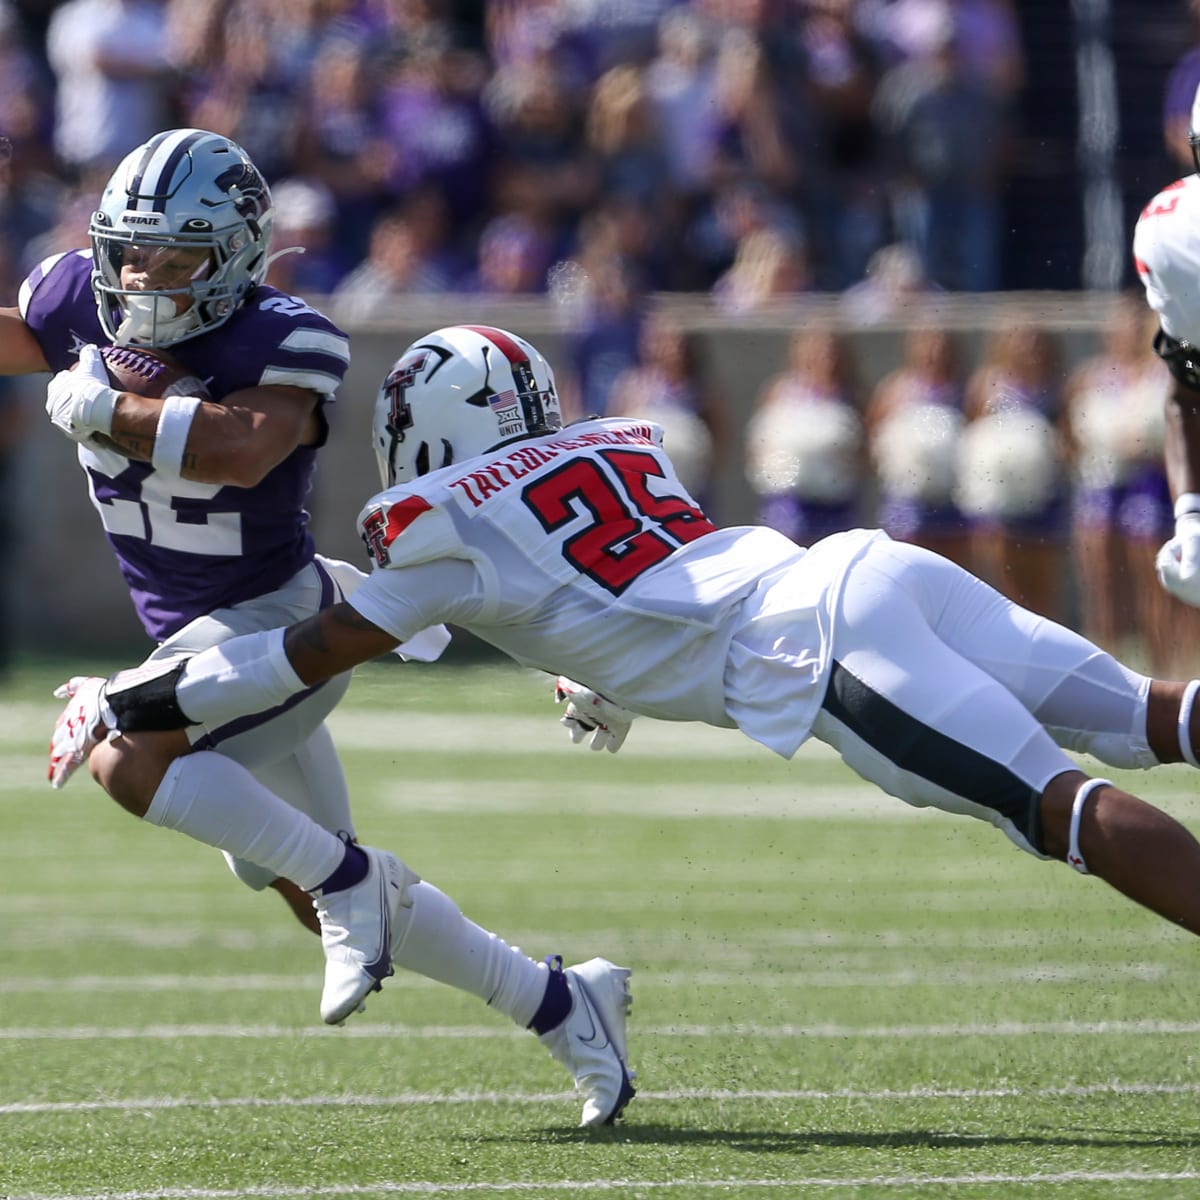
(920, 750)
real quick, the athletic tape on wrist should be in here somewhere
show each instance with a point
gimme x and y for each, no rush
(1074, 854)
(170, 439)
(1185, 723)
(1187, 502)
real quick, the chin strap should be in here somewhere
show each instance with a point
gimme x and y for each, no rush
(1185, 723)
(1074, 854)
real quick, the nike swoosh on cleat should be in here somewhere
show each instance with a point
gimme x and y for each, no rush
(597, 1026)
(380, 968)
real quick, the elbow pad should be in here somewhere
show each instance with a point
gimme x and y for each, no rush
(1182, 359)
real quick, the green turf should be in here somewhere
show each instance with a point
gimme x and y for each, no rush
(834, 995)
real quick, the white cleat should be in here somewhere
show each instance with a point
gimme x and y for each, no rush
(356, 933)
(590, 1043)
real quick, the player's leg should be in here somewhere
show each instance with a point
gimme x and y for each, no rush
(300, 903)
(1133, 846)
(432, 937)
(1084, 698)
(563, 1007)
(214, 799)
(358, 892)
(273, 745)
(910, 713)
(311, 779)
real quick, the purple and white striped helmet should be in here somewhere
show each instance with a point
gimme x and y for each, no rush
(180, 238)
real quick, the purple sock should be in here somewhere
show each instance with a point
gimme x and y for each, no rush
(352, 869)
(556, 1003)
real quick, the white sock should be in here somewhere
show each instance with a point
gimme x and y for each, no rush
(217, 801)
(434, 939)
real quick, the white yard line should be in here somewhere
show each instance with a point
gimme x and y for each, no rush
(673, 1095)
(773, 980)
(382, 1030)
(626, 1186)
(755, 949)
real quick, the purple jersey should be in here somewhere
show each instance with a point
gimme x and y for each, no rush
(188, 548)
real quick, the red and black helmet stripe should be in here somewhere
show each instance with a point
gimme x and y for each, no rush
(508, 346)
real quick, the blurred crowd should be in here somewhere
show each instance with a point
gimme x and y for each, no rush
(746, 148)
(599, 152)
(1048, 482)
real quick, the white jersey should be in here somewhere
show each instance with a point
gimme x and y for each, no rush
(581, 553)
(1166, 252)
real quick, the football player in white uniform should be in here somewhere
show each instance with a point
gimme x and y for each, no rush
(577, 550)
(1166, 252)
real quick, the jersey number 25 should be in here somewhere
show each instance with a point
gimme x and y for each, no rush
(631, 529)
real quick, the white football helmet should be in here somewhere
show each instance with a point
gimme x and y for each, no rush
(458, 392)
(190, 216)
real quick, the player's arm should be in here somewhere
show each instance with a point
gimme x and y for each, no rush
(237, 442)
(245, 675)
(248, 674)
(234, 443)
(255, 673)
(1181, 449)
(258, 671)
(1178, 562)
(20, 351)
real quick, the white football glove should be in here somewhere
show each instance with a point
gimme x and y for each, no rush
(81, 402)
(589, 712)
(77, 730)
(1178, 562)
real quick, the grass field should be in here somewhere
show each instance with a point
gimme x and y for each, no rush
(834, 995)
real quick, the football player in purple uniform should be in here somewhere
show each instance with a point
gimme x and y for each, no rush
(201, 496)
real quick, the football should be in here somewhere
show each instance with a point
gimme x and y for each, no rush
(149, 372)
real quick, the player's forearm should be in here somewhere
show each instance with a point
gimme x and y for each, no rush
(245, 675)
(20, 351)
(134, 425)
(199, 440)
(1181, 453)
(336, 640)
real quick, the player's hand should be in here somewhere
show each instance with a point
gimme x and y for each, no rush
(81, 401)
(1178, 562)
(79, 728)
(589, 712)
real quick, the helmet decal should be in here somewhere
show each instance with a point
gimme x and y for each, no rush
(504, 342)
(400, 379)
(246, 188)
